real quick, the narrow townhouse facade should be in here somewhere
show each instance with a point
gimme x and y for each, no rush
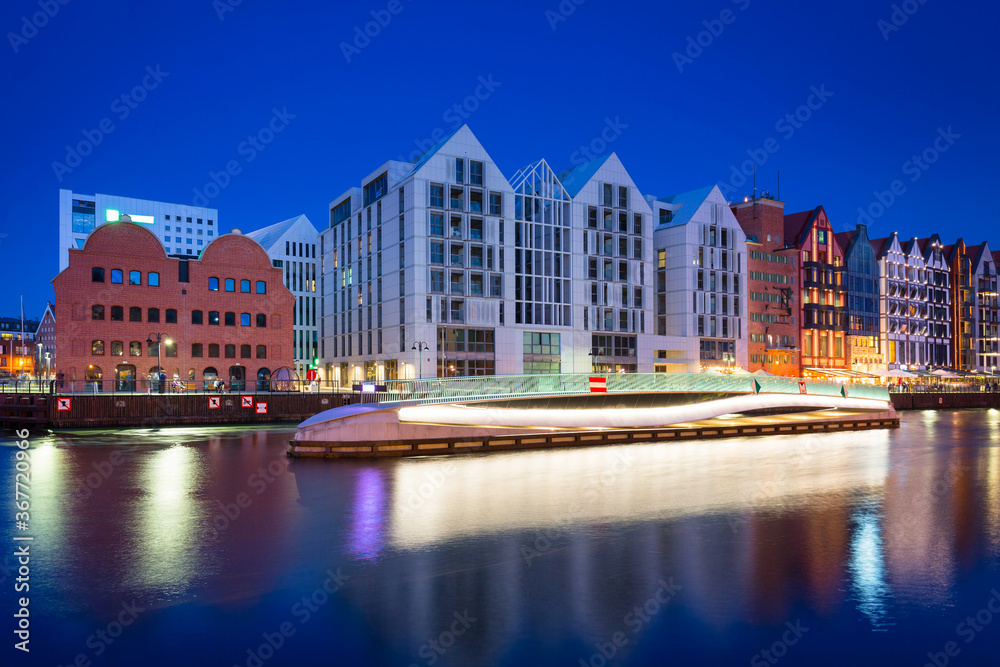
(902, 303)
(862, 277)
(771, 272)
(822, 291)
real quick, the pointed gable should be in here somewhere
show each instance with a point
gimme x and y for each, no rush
(797, 226)
(575, 178)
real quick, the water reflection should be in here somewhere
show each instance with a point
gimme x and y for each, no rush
(868, 567)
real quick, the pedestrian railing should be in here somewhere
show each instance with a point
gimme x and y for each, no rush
(443, 390)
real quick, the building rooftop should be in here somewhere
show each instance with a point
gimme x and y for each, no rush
(271, 234)
(575, 178)
(688, 202)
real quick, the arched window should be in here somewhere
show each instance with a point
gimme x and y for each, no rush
(230, 319)
(213, 317)
(134, 314)
(135, 349)
(116, 276)
(152, 349)
(135, 277)
(153, 315)
(230, 285)
(245, 286)
(97, 275)
(244, 319)
(197, 350)
(170, 349)
(97, 312)
(213, 284)
(117, 314)
(209, 376)
(261, 287)
(213, 349)
(196, 317)
(261, 320)
(244, 351)
(262, 351)
(97, 348)
(230, 351)
(117, 348)
(154, 279)
(171, 316)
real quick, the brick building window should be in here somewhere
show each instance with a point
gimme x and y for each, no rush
(117, 348)
(230, 285)
(230, 319)
(261, 287)
(262, 351)
(135, 277)
(153, 315)
(213, 284)
(261, 320)
(135, 314)
(135, 349)
(245, 286)
(153, 280)
(116, 276)
(171, 316)
(213, 349)
(213, 318)
(97, 312)
(170, 349)
(97, 275)
(244, 319)
(230, 351)
(196, 317)
(244, 351)
(197, 350)
(97, 348)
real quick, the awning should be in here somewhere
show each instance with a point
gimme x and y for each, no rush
(840, 372)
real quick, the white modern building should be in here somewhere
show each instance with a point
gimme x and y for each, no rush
(183, 229)
(903, 308)
(293, 246)
(701, 253)
(937, 276)
(444, 267)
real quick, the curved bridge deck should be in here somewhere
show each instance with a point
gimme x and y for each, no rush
(480, 414)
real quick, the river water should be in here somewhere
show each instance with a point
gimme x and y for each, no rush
(207, 546)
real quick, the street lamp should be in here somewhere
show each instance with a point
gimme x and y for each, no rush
(593, 359)
(48, 366)
(421, 347)
(158, 338)
(38, 363)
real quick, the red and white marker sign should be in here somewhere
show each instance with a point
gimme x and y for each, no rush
(261, 408)
(802, 387)
(598, 385)
(64, 404)
(246, 401)
(214, 402)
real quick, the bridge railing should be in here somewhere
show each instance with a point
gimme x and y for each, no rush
(446, 390)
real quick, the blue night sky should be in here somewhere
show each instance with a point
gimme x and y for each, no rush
(558, 81)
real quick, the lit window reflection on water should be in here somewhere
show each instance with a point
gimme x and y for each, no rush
(868, 568)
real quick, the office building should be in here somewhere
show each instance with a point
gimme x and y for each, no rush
(182, 229)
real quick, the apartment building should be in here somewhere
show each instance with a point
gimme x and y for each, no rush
(293, 246)
(863, 340)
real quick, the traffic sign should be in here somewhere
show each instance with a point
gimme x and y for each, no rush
(64, 404)
(214, 402)
(261, 408)
(246, 401)
(311, 374)
(802, 387)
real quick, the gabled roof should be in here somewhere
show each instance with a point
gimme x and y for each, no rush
(798, 224)
(574, 179)
(689, 203)
(271, 234)
(422, 159)
(844, 239)
(538, 171)
(981, 253)
(881, 246)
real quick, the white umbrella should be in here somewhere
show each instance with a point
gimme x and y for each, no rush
(945, 374)
(897, 373)
(761, 371)
(881, 372)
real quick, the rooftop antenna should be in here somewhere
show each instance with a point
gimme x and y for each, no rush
(755, 180)
(778, 195)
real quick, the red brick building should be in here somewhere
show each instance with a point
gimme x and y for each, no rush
(822, 291)
(227, 314)
(772, 267)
